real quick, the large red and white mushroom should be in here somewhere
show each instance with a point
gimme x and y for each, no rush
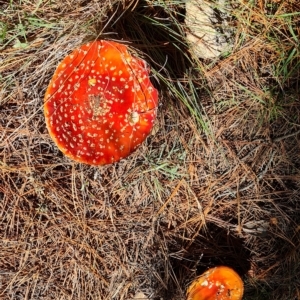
(100, 104)
(219, 283)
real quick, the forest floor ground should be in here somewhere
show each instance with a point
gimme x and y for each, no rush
(216, 183)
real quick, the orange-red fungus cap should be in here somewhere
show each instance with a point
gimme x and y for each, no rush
(219, 283)
(100, 104)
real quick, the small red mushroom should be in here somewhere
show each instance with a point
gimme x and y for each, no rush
(100, 104)
(219, 283)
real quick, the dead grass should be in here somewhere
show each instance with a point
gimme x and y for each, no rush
(218, 183)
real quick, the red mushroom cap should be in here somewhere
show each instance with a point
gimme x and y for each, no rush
(219, 283)
(100, 104)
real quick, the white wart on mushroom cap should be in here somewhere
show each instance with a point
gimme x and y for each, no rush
(100, 104)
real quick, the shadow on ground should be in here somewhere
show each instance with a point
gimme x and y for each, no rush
(213, 247)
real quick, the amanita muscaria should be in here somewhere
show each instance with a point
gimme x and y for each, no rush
(100, 104)
(219, 283)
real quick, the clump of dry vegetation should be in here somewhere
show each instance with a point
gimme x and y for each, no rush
(216, 183)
